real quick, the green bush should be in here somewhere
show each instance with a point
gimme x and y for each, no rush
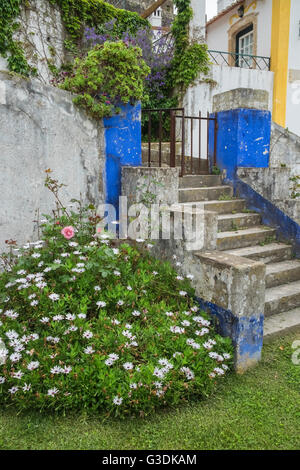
(110, 73)
(76, 15)
(87, 322)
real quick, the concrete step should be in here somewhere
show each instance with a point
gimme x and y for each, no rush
(243, 238)
(282, 298)
(195, 181)
(227, 222)
(226, 207)
(280, 324)
(204, 194)
(270, 253)
(282, 273)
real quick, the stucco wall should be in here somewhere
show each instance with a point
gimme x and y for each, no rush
(41, 129)
(293, 87)
(285, 149)
(222, 79)
(199, 96)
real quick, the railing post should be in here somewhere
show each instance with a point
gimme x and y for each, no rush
(149, 140)
(173, 140)
(215, 139)
(183, 144)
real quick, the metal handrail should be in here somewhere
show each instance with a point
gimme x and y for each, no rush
(256, 61)
(186, 123)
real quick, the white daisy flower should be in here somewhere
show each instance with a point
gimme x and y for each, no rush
(52, 392)
(87, 334)
(136, 313)
(118, 401)
(89, 350)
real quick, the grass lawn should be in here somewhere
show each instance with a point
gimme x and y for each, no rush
(260, 410)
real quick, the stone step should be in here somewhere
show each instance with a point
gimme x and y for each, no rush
(270, 253)
(227, 222)
(225, 207)
(243, 238)
(280, 324)
(282, 298)
(205, 193)
(282, 273)
(195, 181)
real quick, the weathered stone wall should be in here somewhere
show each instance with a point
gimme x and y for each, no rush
(159, 184)
(274, 183)
(285, 149)
(42, 34)
(41, 129)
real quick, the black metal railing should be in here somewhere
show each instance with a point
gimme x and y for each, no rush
(233, 59)
(184, 143)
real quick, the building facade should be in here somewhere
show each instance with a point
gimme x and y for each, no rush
(161, 18)
(265, 35)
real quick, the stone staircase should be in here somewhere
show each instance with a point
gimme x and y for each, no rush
(241, 233)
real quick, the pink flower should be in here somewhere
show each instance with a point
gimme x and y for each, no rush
(68, 232)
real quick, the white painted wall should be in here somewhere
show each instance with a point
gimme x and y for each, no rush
(197, 24)
(217, 32)
(222, 4)
(199, 97)
(293, 90)
(41, 128)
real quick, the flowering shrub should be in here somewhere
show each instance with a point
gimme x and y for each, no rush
(110, 73)
(157, 52)
(87, 322)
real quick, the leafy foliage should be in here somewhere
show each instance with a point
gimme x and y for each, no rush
(87, 322)
(110, 73)
(189, 59)
(76, 15)
(10, 48)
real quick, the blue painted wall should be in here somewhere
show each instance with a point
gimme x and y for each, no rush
(287, 229)
(246, 333)
(243, 139)
(123, 139)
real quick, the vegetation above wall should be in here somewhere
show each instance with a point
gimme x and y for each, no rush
(174, 65)
(76, 15)
(109, 74)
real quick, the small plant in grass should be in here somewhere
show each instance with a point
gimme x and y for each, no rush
(215, 171)
(87, 322)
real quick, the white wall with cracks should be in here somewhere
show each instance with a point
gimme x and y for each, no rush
(41, 129)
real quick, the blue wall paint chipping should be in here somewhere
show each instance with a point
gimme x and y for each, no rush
(243, 139)
(246, 333)
(123, 139)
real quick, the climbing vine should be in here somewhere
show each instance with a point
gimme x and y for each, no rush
(189, 59)
(77, 14)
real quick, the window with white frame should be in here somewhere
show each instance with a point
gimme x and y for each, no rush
(245, 46)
